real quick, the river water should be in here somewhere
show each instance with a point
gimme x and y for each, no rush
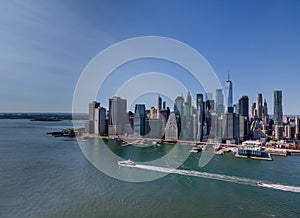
(44, 176)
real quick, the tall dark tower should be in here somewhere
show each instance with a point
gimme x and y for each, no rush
(178, 110)
(201, 116)
(278, 108)
(244, 106)
(140, 120)
(159, 103)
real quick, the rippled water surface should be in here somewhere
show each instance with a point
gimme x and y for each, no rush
(44, 176)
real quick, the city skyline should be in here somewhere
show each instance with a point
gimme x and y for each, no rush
(258, 102)
(45, 46)
(207, 119)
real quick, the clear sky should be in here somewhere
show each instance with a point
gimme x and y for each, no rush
(45, 45)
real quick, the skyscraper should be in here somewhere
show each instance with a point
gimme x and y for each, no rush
(139, 120)
(297, 131)
(187, 118)
(178, 110)
(265, 108)
(219, 102)
(92, 106)
(201, 116)
(244, 106)
(278, 108)
(259, 105)
(91, 124)
(100, 121)
(117, 115)
(159, 103)
(171, 130)
(265, 116)
(231, 126)
(229, 95)
(189, 98)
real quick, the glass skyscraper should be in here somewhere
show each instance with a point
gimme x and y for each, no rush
(278, 108)
(228, 95)
(219, 102)
(244, 106)
(201, 116)
(140, 120)
(259, 105)
(117, 115)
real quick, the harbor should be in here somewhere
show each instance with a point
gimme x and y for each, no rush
(248, 149)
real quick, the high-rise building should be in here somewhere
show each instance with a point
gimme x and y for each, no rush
(117, 115)
(171, 130)
(278, 132)
(90, 124)
(92, 106)
(259, 106)
(210, 106)
(201, 116)
(278, 108)
(140, 120)
(253, 110)
(297, 128)
(244, 106)
(265, 108)
(155, 128)
(235, 109)
(219, 102)
(178, 110)
(187, 131)
(214, 128)
(289, 131)
(153, 113)
(189, 98)
(100, 121)
(231, 126)
(178, 106)
(159, 104)
(229, 95)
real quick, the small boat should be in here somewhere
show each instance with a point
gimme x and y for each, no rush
(259, 183)
(126, 163)
(196, 149)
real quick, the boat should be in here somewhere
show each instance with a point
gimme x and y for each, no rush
(259, 183)
(126, 163)
(252, 149)
(196, 149)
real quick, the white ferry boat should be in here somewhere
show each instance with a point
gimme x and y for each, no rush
(126, 163)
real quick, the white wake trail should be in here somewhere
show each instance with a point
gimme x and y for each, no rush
(220, 177)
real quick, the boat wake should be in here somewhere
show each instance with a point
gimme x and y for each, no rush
(220, 177)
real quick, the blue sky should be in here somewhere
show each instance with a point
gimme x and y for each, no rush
(45, 45)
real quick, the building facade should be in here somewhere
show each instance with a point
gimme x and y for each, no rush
(278, 114)
(117, 115)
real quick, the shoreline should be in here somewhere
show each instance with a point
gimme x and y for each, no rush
(220, 149)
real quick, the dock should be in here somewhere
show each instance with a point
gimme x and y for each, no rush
(268, 158)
